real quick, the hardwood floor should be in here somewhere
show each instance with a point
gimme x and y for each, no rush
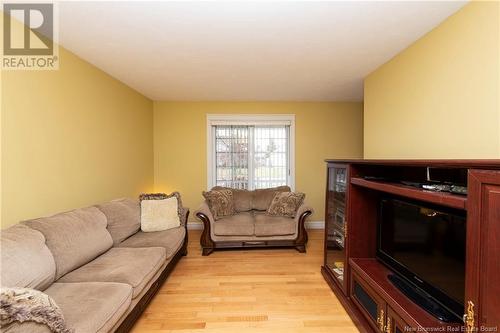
(239, 291)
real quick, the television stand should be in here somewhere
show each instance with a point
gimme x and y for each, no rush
(423, 300)
(354, 190)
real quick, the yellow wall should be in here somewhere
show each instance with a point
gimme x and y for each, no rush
(71, 138)
(76, 136)
(322, 130)
(439, 98)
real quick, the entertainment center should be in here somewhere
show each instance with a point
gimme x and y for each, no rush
(414, 245)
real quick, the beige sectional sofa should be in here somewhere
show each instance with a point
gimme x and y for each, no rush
(250, 226)
(96, 264)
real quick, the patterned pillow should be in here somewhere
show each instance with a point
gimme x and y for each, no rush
(220, 202)
(285, 204)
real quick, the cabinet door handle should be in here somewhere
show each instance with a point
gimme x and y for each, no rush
(380, 320)
(388, 326)
(469, 317)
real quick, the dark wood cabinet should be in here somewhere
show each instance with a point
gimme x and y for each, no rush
(354, 192)
(482, 308)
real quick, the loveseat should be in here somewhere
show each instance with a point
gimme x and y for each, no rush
(250, 226)
(94, 262)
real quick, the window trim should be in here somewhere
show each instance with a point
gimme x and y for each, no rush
(249, 119)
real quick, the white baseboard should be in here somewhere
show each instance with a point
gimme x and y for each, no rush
(197, 225)
(315, 224)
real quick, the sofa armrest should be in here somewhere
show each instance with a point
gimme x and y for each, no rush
(205, 215)
(203, 211)
(303, 212)
(300, 219)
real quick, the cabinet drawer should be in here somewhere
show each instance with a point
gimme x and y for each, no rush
(369, 302)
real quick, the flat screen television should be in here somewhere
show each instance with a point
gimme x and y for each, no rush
(425, 246)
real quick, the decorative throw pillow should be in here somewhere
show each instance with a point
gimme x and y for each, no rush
(160, 211)
(262, 198)
(285, 204)
(25, 304)
(220, 202)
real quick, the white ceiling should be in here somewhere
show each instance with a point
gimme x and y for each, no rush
(251, 51)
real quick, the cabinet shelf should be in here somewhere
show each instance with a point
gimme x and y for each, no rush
(440, 198)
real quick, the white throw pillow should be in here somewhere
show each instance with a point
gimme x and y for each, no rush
(159, 215)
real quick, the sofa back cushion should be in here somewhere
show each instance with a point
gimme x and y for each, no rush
(25, 259)
(124, 218)
(75, 237)
(242, 199)
(262, 197)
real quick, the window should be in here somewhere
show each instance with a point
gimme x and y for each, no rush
(250, 152)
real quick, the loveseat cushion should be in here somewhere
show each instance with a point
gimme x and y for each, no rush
(261, 198)
(241, 224)
(242, 199)
(25, 259)
(91, 306)
(171, 240)
(124, 218)
(274, 226)
(133, 266)
(75, 237)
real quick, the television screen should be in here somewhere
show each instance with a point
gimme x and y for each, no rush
(426, 245)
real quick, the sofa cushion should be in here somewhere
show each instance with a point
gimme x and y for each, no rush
(124, 218)
(170, 239)
(241, 224)
(27, 326)
(91, 306)
(220, 202)
(274, 226)
(133, 266)
(25, 259)
(242, 199)
(261, 199)
(75, 237)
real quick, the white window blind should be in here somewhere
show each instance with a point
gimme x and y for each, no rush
(251, 156)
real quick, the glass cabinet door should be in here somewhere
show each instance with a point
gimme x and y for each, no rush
(335, 222)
